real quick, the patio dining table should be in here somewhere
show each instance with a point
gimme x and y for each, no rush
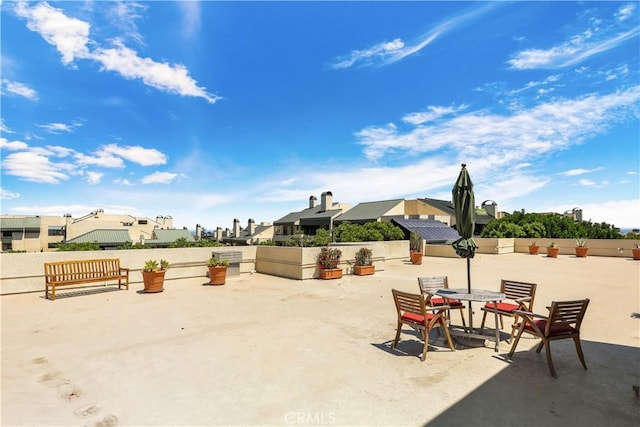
(476, 295)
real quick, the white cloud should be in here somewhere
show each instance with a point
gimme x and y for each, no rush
(586, 182)
(601, 37)
(163, 76)
(136, 154)
(159, 178)
(122, 181)
(71, 37)
(580, 171)
(123, 16)
(8, 195)
(103, 159)
(20, 89)
(526, 133)
(59, 127)
(190, 18)
(5, 144)
(433, 113)
(36, 166)
(3, 127)
(93, 177)
(377, 53)
(388, 52)
(625, 12)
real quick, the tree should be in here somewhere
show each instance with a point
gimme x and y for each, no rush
(553, 226)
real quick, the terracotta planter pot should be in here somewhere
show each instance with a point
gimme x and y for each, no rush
(416, 257)
(553, 252)
(581, 251)
(533, 249)
(330, 273)
(153, 281)
(218, 275)
(364, 270)
(636, 253)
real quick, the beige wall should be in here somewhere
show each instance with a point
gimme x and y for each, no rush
(24, 272)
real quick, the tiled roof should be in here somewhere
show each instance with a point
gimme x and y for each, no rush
(430, 230)
(28, 223)
(103, 237)
(368, 211)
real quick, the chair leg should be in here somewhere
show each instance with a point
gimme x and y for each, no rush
(576, 340)
(425, 335)
(464, 324)
(484, 317)
(395, 341)
(515, 343)
(446, 334)
(540, 346)
(547, 349)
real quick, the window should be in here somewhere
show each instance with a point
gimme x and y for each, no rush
(56, 230)
(142, 222)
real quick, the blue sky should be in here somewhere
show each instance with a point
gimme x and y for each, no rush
(210, 111)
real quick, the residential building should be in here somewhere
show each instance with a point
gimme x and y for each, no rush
(44, 233)
(309, 220)
(253, 234)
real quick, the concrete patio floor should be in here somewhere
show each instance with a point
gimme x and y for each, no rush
(264, 350)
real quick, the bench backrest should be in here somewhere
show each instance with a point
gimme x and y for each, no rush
(83, 269)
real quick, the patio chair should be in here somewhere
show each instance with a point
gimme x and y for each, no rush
(563, 322)
(519, 296)
(428, 287)
(412, 311)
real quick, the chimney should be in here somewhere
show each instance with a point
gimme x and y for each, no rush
(198, 232)
(218, 235)
(168, 222)
(312, 201)
(160, 219)
(491, 208)
(236, 227)
(326, 201)
(251, 226)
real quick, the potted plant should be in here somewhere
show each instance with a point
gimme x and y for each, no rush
(581, 247)
(552, 250)
(533, 247)
(415, 248)
(636, 251)
(364, 262)
(217, 271)
(153, 275)
(328, 260)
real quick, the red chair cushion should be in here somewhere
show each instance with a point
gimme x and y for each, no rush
(415, 317)
(440, 301)
(502, 306)
(556, 329)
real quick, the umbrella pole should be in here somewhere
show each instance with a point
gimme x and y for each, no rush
(469, 289)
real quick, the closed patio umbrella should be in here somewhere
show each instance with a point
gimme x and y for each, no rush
(464, 206)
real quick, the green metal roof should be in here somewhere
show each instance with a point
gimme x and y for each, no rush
(28, 223)
(369, 211)
(170, 236)
(103, 237)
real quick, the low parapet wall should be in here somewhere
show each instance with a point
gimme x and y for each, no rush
(24, 272)
(620, 248)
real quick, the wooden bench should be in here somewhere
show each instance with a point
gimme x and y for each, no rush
(63, 273)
